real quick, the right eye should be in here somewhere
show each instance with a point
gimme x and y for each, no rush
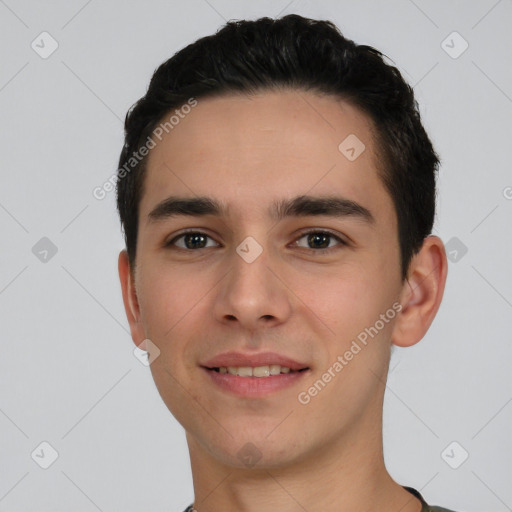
(191, 240)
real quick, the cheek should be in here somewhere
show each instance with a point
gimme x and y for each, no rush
(345, 298)
(168, 296)
(174, 308)
(350, 301)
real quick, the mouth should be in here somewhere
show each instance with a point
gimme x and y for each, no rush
(256, 371)
(254, 375)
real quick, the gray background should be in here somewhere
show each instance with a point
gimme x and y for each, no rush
(68, 373)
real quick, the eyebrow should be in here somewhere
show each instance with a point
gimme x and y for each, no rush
(300, 206)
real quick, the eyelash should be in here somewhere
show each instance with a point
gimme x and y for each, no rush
(340, 241)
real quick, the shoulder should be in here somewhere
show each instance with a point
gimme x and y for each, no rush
(425, 506)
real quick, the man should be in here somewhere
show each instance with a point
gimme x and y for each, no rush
(277, 194)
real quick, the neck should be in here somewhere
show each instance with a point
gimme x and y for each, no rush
(344, 474)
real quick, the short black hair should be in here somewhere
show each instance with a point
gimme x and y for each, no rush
(302, 54)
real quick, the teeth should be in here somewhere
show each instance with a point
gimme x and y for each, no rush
(275, 369)
(258, 371)
(261, 371)
(245, 371)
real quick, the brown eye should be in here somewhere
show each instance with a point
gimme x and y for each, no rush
(191, 240)
(315, 240)
(319, 240)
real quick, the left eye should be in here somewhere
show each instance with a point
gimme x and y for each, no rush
(319, 240)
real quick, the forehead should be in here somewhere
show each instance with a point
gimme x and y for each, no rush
(251, 150)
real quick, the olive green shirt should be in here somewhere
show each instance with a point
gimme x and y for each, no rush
(426, 507)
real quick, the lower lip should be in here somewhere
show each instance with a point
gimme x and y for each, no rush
(255, 386)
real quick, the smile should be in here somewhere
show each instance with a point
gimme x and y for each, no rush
(257, 371)
(255, 382)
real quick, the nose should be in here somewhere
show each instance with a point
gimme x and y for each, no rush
(253, 294)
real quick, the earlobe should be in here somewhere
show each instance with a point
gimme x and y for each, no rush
(422, 293)
(130, 299)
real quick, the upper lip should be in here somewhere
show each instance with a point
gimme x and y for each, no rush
(262, 359)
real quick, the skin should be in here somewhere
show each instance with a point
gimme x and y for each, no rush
(193, 304)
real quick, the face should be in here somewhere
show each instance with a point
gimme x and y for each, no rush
(290, 260)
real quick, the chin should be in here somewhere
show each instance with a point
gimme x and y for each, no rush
(252, 449)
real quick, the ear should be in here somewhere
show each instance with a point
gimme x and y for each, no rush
(131, 303)
(422, 293)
